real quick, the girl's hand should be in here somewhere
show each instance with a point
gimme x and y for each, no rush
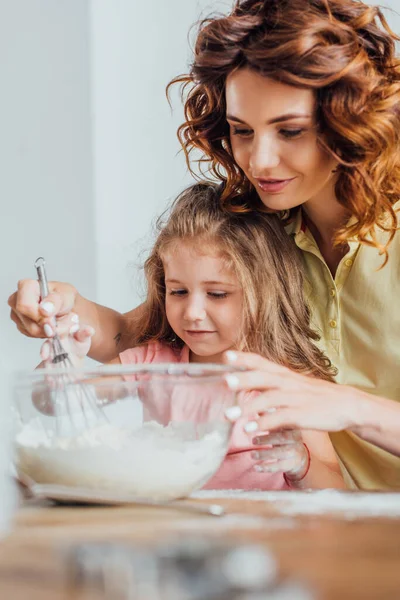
(290, 400)
(34, 317)
(76, 344)
(287, 454)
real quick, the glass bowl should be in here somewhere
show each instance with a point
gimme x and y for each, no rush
(153, 432)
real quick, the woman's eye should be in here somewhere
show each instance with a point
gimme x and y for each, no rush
(178, 292)
(241, 132)
(291, 133)
(218, 295)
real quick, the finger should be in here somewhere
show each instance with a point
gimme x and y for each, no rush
(26, 326)
(84, 333)
(294, 452)
(268, 401)
(57, 303)
(285, 418)
(280, 438)
(66, 325)
(12, 300)
(251, 361)
(24, 308)
(277, 466)
(45, 352)
(262, 380)
(26, 301)
(264, 404)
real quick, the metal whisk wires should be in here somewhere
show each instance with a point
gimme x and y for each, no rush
(71, 400)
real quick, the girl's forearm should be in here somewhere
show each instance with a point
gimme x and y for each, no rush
(112, 329)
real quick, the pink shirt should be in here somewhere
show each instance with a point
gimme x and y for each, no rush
(237, 470)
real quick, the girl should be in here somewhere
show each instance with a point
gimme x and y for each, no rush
(204, 277)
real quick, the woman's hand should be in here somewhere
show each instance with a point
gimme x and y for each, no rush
(289, 400)
(34, 317)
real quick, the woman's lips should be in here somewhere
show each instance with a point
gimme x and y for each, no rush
(273, 185)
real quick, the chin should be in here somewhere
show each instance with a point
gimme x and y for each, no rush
(278, 202)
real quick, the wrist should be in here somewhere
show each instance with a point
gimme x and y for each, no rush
(293, 477)
(371, 416)
(364, 413)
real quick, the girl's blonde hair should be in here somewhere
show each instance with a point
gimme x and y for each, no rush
(345, 52)
(276, 320)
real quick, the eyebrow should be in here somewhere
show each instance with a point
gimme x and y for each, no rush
(225, 283)
(279, 119)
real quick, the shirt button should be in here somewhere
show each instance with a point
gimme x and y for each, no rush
(332, 292)
(332, 323)
(348, 262)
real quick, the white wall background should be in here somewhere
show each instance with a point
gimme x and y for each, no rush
(46, 191)
(88, 147)
(137, 48)
(88, 150)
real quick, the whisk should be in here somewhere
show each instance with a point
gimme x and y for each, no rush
(67, 393)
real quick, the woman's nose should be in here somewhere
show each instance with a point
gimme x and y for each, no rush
(264, 157)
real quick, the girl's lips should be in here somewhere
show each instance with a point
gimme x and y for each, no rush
(199, 333)
(273, 185)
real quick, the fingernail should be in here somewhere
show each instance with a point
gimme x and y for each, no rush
(91, 331)
(48, 330)
(74, 318)
(270, 410)
(259, 469)
(232, 381)
(251, 426)
(74, 329)
(48, 307)
(231, 356)
(233, 413)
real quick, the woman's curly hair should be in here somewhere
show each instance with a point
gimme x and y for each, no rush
(344, 50)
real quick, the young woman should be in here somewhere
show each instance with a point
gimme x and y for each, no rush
(296, 107)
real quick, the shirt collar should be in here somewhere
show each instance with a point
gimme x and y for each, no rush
(295, 223)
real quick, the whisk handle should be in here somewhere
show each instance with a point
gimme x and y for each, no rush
(42, 277)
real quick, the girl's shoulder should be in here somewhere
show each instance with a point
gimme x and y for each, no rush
(154, 352)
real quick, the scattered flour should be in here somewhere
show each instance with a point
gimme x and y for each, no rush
(236, 522)
(152, 462)
(351, 505)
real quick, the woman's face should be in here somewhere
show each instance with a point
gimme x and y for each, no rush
(274, 140)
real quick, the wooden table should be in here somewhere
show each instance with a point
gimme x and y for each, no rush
(337, 558)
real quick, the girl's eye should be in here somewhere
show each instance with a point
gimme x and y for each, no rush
(218, 295)
(241, 132)
(291, 133)
(178, 292)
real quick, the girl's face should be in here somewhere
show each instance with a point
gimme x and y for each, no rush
(204, 302)
(274, 140)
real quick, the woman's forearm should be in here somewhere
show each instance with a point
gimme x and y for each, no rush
(379, 423)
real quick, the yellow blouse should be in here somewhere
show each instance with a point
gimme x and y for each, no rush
(357, 314)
